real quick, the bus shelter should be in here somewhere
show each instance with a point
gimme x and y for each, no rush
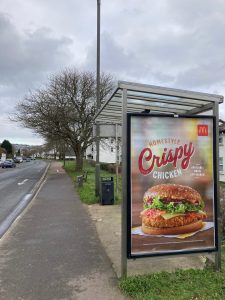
(131, 105)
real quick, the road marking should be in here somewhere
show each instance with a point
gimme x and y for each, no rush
(20, 183)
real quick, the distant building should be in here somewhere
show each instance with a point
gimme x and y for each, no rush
(107, 151)
(70, 154)
(3, 156)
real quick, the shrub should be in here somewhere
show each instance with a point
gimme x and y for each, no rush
(110, 167)
(104, 166)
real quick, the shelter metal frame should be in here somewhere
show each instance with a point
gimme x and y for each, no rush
(136, 97)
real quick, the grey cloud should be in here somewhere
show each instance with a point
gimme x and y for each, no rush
(115, 58)
(26, 58)
(26, 61)
(184, 47)
(193, 13)
(125, 63)
(206, 75)
(16, 134)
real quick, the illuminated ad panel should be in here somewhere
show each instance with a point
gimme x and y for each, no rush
(171, 186)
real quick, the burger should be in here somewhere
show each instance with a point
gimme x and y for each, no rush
(171, 209)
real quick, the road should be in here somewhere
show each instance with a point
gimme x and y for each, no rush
(17, 183)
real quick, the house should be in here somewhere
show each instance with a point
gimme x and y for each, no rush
(107, 151)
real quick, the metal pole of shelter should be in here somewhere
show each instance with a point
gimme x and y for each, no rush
(218, 253)
(124, 185)
(97, 166)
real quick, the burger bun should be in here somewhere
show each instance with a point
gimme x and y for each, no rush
(192, 227)
(174, 192)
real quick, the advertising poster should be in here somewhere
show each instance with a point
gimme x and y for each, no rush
(171, 187)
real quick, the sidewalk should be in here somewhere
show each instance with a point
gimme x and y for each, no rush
(53, 251)
(108, 224)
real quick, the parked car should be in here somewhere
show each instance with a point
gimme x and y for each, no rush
(18, 159)
(28, 159)
(8, 163)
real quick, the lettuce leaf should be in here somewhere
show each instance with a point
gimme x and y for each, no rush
(172, 207)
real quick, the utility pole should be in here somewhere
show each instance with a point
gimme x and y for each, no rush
(97, 166)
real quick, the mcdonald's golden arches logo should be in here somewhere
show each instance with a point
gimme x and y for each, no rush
(203, 130)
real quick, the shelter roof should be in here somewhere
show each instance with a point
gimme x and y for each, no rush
(141, 97)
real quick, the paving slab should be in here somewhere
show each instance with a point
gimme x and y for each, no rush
(107, 220)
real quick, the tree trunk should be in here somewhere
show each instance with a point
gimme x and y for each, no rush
(64, 159)
(79, 152)
(79, 162)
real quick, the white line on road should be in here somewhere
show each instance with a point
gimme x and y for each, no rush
(20, 183)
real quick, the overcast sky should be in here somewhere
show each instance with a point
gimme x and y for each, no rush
(172, 43)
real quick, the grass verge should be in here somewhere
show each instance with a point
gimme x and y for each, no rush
(87, 191)
(181, 285)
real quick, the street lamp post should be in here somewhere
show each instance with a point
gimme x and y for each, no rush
(97, 167)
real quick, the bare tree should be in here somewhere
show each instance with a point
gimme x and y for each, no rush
(64, 110)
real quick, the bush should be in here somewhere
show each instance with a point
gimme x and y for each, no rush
(104, 166)
(91, 162)
(110, 167)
